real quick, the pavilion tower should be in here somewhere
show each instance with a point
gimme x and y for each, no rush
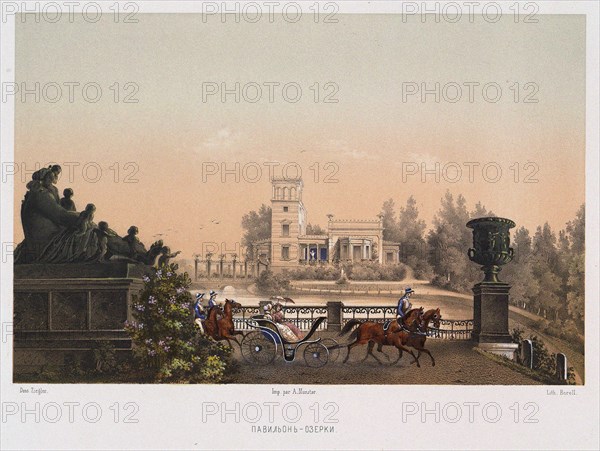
(288, 221)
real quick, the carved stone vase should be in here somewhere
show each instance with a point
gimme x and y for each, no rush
(491, 245)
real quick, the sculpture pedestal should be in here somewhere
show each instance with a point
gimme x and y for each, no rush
(62, 311)
(490, 319)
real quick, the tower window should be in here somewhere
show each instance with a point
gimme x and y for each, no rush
(285, 252)
(285, 230)
(286, 209)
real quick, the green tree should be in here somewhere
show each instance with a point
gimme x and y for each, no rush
(545, 267)
(410, 227)
(575, 232)
(448, 241)
(519, 273)
(576, 289)
(257, 226)
(390, 224)
(480, 211)
(413, 247)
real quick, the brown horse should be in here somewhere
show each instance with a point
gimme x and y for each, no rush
(394, 327)
(372, 333)
(417, 340)
(210, 324)
(225, 327)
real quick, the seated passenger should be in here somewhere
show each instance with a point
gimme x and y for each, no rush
(289, 331)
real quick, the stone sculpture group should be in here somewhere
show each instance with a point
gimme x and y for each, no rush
(56, 233)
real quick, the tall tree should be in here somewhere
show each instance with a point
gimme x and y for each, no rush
(414, 250)
(390, 225)
(448, 241)
(410, 227)
(525, 287)
(576, 231)
(257, 226)
(576, 268)
(480, 211)
(545, 267)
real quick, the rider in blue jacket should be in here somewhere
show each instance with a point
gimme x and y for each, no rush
(404, 306)
(212, 302)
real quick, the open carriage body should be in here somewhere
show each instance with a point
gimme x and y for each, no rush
(261, 346)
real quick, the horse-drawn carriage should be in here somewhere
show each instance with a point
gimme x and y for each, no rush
(262, 345)
(268, 339)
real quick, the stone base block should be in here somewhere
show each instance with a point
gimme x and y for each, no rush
(507, 350)
(62, 312)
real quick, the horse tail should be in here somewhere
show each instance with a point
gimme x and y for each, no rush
(349, 326)
(354, 334)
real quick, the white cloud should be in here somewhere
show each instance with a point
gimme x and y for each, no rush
(223, 139)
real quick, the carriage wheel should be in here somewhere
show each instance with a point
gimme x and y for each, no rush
(257, 349)
(316, 355)
(390, 355)
(333, 347)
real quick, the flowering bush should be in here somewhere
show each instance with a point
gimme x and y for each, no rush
(164, 335)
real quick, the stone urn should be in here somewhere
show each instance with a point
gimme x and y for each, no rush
(491, 245)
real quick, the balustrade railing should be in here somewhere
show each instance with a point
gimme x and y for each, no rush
(453, 329)
(371, 313)
(304, 316)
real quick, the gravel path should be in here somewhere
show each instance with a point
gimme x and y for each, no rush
(456, 363)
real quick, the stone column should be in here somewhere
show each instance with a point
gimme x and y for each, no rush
(334, 316)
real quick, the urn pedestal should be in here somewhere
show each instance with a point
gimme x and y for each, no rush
(491, 248)
(490, 319)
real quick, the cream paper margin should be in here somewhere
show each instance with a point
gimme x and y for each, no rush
(370, 417)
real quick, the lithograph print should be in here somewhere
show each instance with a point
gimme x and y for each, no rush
(297, 196)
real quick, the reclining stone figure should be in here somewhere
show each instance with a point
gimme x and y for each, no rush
(54, 234)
